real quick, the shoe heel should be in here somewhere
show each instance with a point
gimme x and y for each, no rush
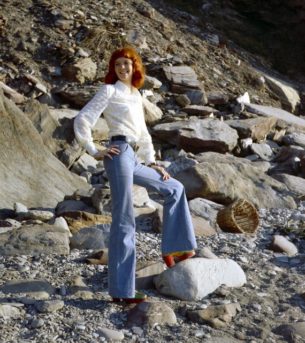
(169, 260)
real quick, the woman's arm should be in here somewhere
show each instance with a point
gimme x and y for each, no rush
(88, 116)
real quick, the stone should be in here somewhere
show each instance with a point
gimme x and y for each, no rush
(152, 112)
(82, 70)
(197, 97)
(78, 220)
(282, 244)
(79, 289)
(43, 180)
(268, 111)
(198, 135)
(199, 110)
(288, 95)
(111, 335)
(95, 237)
(202, 227)
(206, 253)
(294, 138)
(288, 330)
(151, 83)
(10, 311)
(150, 314)
(223, 178)
(146, 274)
(183, 100)
(99, 257)
(35, 239)
(217, 98)
(38, 289)
(295, 184)
(84, 163)
(182, 75)
(195, 278)
(255, 128)
(49, 306)
(206, 209)
(263, 150)
(218, 316)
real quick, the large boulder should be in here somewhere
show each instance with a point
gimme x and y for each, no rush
(224, 178)
(29, 172)
(198, 135)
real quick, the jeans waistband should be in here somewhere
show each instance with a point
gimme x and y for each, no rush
(122, 138)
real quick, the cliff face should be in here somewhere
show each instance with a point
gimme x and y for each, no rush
(274, 29)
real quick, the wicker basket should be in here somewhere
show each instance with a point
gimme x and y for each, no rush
(240, 217)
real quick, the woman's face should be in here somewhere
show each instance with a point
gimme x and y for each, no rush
(123, 69)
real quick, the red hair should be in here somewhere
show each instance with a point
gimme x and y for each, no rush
(138, 74)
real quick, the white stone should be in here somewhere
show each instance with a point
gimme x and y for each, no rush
(193, 279)
(281, 243)
(152, 112)
(112, 335)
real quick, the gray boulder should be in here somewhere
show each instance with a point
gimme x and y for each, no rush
(29, 172)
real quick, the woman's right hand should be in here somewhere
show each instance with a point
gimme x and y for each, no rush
(108, 152)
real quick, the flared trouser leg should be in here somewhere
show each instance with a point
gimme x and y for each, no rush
(177, 234)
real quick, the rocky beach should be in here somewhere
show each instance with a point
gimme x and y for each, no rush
(226, 121)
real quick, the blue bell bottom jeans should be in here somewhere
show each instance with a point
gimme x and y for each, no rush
(177, 234)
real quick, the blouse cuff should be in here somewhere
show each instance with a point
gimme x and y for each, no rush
(91, 149)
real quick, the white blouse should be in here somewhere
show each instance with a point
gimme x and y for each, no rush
(123, 110)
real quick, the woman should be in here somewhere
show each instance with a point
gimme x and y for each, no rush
(121, 103)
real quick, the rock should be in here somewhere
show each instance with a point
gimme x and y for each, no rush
(195, 278)
(294, 138)
(223, 178)
(294, 183)
(10, 311)
(100, 131)
(112, 335)
(256, 128)
(146, 274)
(151, 83)
(79, 289)
(183, 100)
(206, 209)
(289, 330)
(84, 163)
(81, 71)
(78, 220)
(197, 135)
(150, 314)
(199, 110)
(43, 180)
(218, 316)
(35, 239)
(70, 206)
(62, 224)
(41, 215)
(282, 244)
(217, 98)
(183, 76)
(95, 237)
(38, 289)
(263, 150)
(268, 111)
(202, 227)
(289, 96)
(206, 253)
(49, 306)
(197, 97)
(75, 96)
(99, 257)
(152, 112)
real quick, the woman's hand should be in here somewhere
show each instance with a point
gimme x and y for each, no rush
(108, 152)
(161, 170)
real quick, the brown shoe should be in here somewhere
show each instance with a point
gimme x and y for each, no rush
(138, 298)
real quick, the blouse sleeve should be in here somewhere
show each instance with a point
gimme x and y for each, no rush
(147, 148)
(88, 116)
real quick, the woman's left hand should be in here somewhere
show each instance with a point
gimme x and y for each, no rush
(162, 171)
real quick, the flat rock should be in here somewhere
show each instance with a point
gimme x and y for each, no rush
(268, 111)
(43, 180)
(195, 278)
(198, 135)
(223, 178)
(35, 239)
(151, 313)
